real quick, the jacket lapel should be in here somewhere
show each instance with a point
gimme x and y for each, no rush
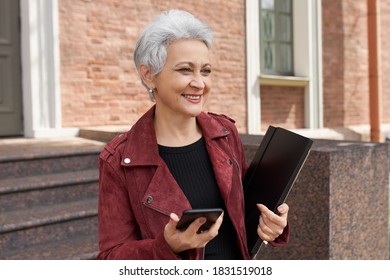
(224, 164)
(156, 187)
(217, 145)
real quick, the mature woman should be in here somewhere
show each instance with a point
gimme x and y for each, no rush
(176, 157)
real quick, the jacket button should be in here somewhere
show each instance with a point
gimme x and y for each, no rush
(127, 160)
(149, 199)
(230, 161)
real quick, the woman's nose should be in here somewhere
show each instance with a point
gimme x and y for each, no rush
(198, 82)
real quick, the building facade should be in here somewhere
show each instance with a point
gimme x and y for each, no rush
(68, 64)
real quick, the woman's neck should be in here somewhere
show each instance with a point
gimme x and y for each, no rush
(176, 131)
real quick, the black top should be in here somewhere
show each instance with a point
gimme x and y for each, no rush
(191, 167)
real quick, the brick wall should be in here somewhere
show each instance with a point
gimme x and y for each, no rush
(99, 83)
(282, 106)
(333, 63)
(345, 62)
(100, 86)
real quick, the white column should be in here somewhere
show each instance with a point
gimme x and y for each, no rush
(253, 66)
(41, 70)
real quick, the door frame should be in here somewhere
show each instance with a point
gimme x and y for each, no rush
(41, 70)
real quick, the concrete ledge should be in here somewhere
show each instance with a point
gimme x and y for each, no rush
(102, 133)
(351, 133)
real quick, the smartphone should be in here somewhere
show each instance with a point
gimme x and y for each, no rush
(190, 215)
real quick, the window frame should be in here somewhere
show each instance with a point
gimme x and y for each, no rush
(40, 54)
(307, 24)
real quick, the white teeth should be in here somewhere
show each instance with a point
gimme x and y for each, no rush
(192, 97)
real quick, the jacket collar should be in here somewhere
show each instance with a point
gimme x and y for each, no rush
(211, 127)
(141, 147)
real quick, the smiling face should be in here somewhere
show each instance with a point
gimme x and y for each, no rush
(183, 85)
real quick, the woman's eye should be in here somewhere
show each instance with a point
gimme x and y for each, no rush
(184, 70)
(206, 71)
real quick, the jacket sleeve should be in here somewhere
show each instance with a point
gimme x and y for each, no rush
(119, 236)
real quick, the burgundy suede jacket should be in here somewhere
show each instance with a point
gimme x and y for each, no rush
(137, 191)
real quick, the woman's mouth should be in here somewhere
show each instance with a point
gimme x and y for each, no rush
(191, 97)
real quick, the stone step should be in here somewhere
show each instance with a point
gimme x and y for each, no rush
(79, 248)
(27, 192)
(37, 226)
(22, 158)
(50, 164)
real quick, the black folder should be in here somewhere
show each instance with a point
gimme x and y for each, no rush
(271, 175)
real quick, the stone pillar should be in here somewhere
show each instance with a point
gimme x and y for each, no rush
(339, 205)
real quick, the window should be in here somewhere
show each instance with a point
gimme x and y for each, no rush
(276, 37)
(303, 21)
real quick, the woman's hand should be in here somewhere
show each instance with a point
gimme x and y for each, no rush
(180, 241)
(272, 225)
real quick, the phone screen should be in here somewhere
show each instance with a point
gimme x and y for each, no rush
(188, 216)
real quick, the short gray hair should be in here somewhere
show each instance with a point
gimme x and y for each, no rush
(168, 27)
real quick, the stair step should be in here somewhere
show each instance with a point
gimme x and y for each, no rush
(22, 158)
(80, 248)
(53, 164)
(39, 225)
(22, 148)
(27, 192)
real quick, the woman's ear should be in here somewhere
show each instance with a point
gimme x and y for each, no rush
(146, 75)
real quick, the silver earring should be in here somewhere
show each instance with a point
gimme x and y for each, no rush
(150, 90)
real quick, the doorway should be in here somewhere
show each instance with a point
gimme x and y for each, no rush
(11, 116)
